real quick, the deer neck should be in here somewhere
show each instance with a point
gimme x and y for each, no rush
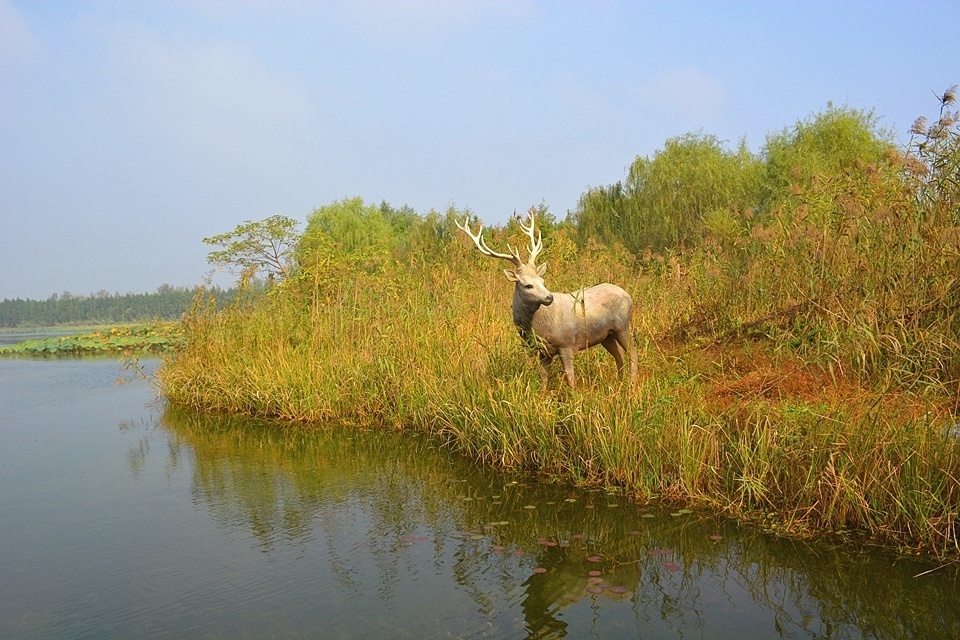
(523, 316)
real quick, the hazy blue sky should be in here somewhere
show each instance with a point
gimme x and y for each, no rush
(129, 130)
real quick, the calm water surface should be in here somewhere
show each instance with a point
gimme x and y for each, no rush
(120, 518)
(14, 337)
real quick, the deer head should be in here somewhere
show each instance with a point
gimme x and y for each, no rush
(530, 289)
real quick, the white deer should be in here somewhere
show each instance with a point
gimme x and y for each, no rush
(562, 323)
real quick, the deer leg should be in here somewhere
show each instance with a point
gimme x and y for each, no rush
(566, 356)
(626, 343)
(610, 344)
(545, 361)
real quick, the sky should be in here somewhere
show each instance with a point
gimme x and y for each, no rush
(132, 129)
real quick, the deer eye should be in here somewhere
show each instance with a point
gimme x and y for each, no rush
(528, 286)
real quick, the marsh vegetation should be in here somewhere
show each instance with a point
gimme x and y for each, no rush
(797, 321)
(129, 340)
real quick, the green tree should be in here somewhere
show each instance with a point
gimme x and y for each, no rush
(350, 228)
(828, 144)
(402, 220)
(431, 234)
(168, 303)
(665, 200)
(599, 214)
(266, 246)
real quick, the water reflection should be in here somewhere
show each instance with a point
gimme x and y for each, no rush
(410, 531)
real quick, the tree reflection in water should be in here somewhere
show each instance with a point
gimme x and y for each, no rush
(390, 514)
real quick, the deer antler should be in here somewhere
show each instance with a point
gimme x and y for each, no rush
(536, 241)
(513, 256)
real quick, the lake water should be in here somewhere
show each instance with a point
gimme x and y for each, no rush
(15, 336)
(120, 518)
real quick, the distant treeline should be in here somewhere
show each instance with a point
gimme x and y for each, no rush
(167, 303)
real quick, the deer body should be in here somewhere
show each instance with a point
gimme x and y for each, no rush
(564, 323)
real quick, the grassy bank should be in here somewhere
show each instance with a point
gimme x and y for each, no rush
(799, 357)
(739, 424)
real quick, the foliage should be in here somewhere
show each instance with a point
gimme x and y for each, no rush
(696, 188)
(666, 201)
(349, 240)
(128, 340)
(265, 246)
(431, 235)
(830, 143)
(851, 267)
(166, 303)
(350, 229)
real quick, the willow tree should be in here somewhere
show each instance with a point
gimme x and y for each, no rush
(665, 200)
(825, 146)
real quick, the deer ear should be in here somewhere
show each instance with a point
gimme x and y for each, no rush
(511, 276)
(542, 269)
